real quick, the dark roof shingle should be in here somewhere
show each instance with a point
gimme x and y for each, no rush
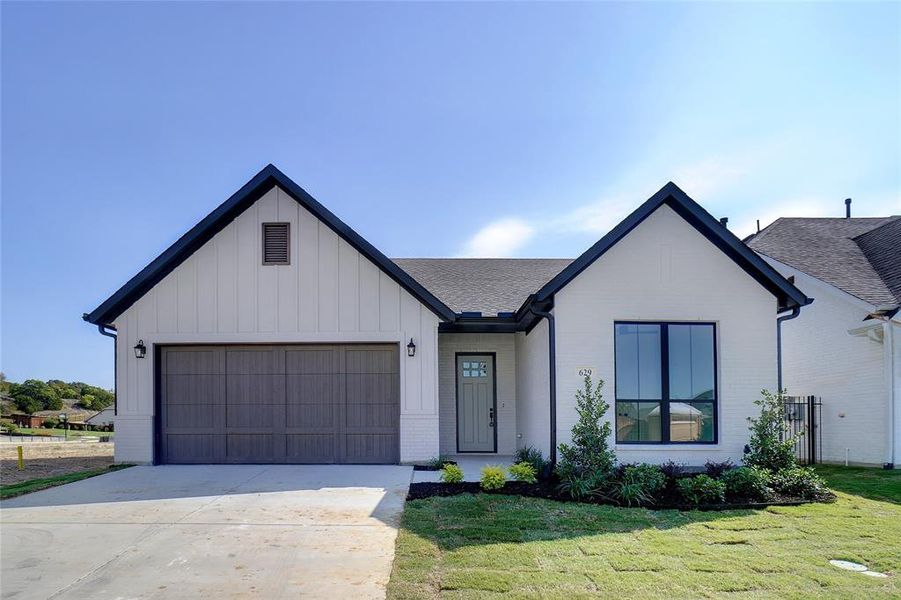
(850, 254)
(486, 285)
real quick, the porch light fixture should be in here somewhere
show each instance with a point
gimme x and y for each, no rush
(140, 349)
(411, 348)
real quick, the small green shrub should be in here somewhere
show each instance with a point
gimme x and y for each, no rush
(799, 482)
(638, 484)
(716, 469)
(493, 478)
(586, 466)
(531, 455)
(702, 489)
(50, 424)
(523, 471)
(747, 482)
(772, 445)
(451, 473)
(439, 461)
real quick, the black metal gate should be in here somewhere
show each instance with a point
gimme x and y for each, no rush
(802, 416)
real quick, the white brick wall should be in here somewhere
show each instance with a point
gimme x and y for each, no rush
(503, 345)
(821, 358)
(532, 394)
(664, 270)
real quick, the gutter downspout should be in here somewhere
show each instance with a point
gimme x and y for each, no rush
(103, 331)
(779, 320)
(889, 340)
(552, 364)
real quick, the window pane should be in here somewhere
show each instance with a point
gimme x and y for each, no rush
(638, 361)
(638, 421)
(691, 362)
(691, 421)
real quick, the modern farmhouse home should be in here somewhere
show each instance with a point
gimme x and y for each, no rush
(273, 332)
(846, 348)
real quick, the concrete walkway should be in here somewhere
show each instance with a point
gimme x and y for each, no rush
(232, 531)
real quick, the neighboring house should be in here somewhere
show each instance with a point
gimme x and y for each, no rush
(23, 420)
(104, 417)
(846, 347)
(73, 415)
(273, 332)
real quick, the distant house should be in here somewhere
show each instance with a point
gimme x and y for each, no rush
(846, 346)
(23, 420)
(104, 417)
(73, 415)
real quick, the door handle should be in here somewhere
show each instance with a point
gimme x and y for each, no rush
(490, 417)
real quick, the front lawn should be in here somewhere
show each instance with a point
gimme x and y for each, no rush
(483, 545)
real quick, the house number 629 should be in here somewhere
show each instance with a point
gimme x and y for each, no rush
(586, 371)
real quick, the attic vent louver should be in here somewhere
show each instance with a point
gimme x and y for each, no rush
(276, 244)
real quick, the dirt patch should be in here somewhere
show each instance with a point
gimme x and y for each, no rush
(49, 459)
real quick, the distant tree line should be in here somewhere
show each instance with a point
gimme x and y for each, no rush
(33, 395)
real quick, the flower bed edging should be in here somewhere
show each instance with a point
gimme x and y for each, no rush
(549, 491)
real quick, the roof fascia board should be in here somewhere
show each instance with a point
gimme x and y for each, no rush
(224, 214)
(670, 194)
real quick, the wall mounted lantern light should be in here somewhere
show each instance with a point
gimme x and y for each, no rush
(411, 348)
(140, 349)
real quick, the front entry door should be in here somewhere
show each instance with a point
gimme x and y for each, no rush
(476, 410)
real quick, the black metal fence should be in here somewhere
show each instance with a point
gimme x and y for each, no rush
(803, 416)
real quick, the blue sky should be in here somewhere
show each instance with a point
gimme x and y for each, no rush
(433, 129)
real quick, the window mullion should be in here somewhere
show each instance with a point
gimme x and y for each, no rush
(664, 384)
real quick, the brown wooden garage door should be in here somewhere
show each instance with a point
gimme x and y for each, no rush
(279, 404)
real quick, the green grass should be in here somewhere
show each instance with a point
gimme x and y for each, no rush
(62, 432)
(26, 487)
(476, 546)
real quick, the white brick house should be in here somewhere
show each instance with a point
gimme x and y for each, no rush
(273, 332)
(846, 347)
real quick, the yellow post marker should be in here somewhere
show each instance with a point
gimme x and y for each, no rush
(21, 462)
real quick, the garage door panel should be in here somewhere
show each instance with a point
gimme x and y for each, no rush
(191, 448)
(310, 448)
(272, 404)
(370, 448)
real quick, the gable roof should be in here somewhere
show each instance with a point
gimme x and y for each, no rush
(857, 255)
(485, 285)
(787, 295)
(224, 214)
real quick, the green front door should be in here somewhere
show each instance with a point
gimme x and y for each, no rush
(476, 410)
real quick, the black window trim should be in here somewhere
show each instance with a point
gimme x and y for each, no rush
(665, 400)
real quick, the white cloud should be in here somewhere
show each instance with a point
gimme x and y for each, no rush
(499, 239)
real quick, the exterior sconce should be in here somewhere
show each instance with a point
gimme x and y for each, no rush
(140, 349)
(411, 348)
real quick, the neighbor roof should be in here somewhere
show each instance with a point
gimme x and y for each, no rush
(857, 255)
(485, 285)
(224, 214)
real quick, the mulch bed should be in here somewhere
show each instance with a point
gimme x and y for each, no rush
(550, 491)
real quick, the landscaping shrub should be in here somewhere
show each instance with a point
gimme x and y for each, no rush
(638, 484)
(702, 489)
(533, 456)
(439, 461)
(672, 469)
(772, 446)
(747, 482)
(523, 471)
(585, 467)
(716, 469)
(493, 478)
(451, 473)
(799, 482)
(50, 424)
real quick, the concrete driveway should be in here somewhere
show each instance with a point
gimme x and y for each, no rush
(230, 531)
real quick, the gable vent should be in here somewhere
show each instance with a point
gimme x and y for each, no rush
(275, 243)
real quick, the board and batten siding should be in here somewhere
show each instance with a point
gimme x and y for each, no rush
(665, 270)
(329, 293)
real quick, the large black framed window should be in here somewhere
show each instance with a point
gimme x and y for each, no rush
(666, 388)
